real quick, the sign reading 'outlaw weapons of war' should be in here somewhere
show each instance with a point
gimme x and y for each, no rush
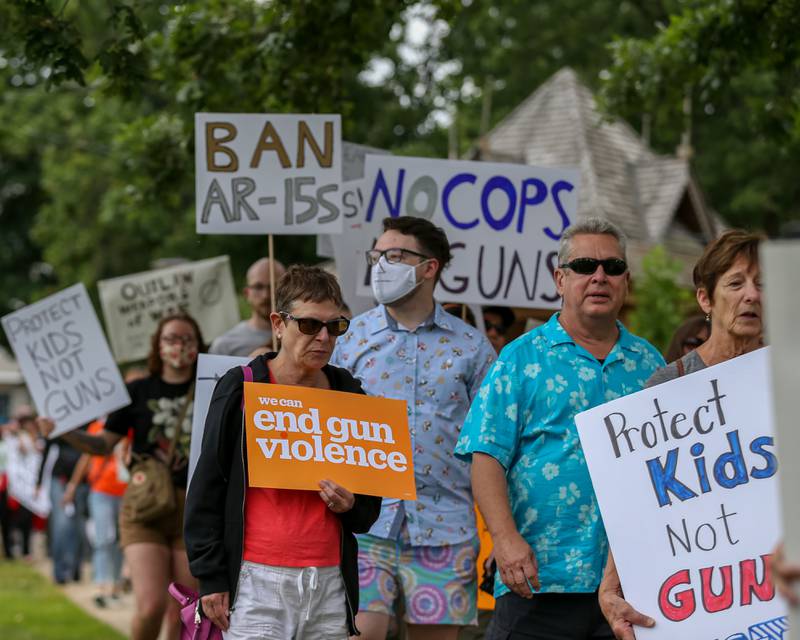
(64, 357)
(297, 436)
(134, 304)
(503, 221)
(685, 475)
(268, 173)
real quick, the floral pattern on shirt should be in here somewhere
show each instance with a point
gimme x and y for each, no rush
(524, 417)
(437, 369)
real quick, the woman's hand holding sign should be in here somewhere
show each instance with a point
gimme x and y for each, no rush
(336, 497)
(620, 614)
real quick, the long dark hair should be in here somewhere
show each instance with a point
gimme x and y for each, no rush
(154, 363)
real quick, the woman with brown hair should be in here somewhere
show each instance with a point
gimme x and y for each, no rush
(278, 563)
(160, 419)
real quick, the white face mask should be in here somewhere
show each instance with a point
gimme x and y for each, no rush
(392, 281)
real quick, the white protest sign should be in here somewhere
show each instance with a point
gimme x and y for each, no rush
(347, 248)
(503, 222)
(133, 304)
(268, 173)
(686, 479)
(24, 460)
(64, 357)
(210, 369)
(781, 260)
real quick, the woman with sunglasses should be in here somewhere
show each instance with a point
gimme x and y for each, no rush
(276, 560)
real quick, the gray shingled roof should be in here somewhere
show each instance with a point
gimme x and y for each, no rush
(621, 178)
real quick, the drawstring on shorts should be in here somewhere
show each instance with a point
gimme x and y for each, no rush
(313, 583)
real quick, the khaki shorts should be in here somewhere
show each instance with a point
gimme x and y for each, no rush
(166, 531)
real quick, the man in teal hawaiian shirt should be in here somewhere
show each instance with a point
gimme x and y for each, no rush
(529, 475)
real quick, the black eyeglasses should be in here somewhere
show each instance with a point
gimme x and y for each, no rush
(392, 256)
(312, 326)
(587, 266)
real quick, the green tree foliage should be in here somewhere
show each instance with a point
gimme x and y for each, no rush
(661, 303)
(107, 160)
(739, 62)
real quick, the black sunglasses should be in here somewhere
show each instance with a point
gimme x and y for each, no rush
(392, 255)
(501, 329)
(587, 266)
(693, 342)
(312, 326)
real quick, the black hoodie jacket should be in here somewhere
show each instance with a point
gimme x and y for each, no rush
(214, 518)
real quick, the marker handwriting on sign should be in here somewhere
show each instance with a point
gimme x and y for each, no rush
(728, 470)
(236, 197)
(63, 356)
(502, 202)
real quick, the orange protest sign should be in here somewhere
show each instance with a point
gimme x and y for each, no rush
(297, 436)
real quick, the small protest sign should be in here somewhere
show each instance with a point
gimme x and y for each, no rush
(297, 436)
(503, 221)
(686, 479)
(134, 304)
(65, 359)
(258, 173)
(210, 368)
(22, 470)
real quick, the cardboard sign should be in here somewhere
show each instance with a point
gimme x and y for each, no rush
(347, 249)
(686, 478)
(261, 173)
(503, 222)
(297, 436)
(134, 304)
(22, 469)
(781, 261)
(210, 368)
(64, 357)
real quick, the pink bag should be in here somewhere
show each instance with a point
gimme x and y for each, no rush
(193, 625)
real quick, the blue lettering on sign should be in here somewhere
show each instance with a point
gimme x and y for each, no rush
(452, 184)
(558, 187)
(381, 187)
(729, 471)
(774, 629)
(532, 192)
(504, 184)
(526, 200)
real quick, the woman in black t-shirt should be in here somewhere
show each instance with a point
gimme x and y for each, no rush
(155, 551)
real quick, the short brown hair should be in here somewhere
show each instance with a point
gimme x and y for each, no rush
(720, 255)
(432, 239)
(307, 284)
(154, 363)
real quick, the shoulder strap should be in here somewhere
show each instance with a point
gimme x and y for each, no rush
(179, 423)
(248, 377)
(681, 367)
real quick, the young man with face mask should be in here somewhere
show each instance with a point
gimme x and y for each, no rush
(410, 348)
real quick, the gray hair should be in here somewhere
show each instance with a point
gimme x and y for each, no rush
(589, 226)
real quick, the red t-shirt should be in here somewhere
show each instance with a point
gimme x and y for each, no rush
(290, 528)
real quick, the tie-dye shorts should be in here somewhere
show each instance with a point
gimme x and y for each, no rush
(438, 584)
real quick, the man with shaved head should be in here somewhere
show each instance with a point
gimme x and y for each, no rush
(254, 332)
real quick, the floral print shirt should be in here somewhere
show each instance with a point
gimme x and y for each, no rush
(524, 417)
(437, 369)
